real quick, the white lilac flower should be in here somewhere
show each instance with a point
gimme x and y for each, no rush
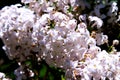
(49, 9)
(73, 64)
(113, 9)
(61, 3)
(93, 50)
(66, 44)
(59, 17)
(2, 75)
(118, 19)
(115, 42)
(31, 73)
(91, 42)
(86, 75)
(27, 1)
(95, 69)
(101, 39)
(82, 28)
(97, 21)
(18, 72)
(71, 24)
(44, 19)
(83, 18)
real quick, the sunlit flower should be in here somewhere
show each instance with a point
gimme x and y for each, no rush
(115, 42)
(113, 9)
(58, 32)
(97, 22)
(71, 24)
(27, 1)
(101, 39)
(2, 75)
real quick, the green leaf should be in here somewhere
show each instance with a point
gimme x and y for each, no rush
(51, 77)
(70, 9)
(6, 66)
(43, 71)
(62, 77)
(118, 36)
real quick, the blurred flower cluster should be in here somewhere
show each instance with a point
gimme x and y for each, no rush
(65, 33)
(3, 77)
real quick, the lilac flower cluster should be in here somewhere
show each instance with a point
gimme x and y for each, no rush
(3, 76)
(57, 31)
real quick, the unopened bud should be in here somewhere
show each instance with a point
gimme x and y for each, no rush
(115, 42)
